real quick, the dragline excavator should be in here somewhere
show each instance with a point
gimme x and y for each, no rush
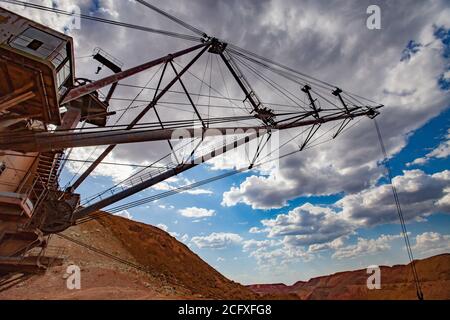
(42, 104)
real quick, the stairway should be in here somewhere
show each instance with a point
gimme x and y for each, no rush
(48, 167)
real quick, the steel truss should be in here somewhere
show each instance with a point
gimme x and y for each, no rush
(135, 132)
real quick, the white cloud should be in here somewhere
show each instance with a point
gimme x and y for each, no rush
(432, 243)
(59, 22)
(165, 207)
(442, 151)
(446, 75)
(194, 212)
(162, 226)
(219, 240)
(176, 182)
(308, 224)
(124, 214)
(184, 238)
(420, 195)
(250, 245)
(333, 245)
(309, 229)
(409, 89)
(257, 230)
(198, 191)
(365, 247)
(220, 259)
(272, 254)
(116, 173)
(281, 254)
(444, 202)
(108, 11)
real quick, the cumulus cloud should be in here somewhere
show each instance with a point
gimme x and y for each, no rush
(332, 245)
(116, 173)
(252, 244)
(180, 181)
(272, 253)
(59, 22)
(257, 230)
(432, 243)
(310, 229)
(198, 191)
(308, 224)
(194, 212)
(420, 195)
(365, 247)
(217, 240)
(302, 232)
(279, 254)
(166, 207)
(408, 88)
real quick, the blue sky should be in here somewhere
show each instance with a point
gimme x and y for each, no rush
(256, 227)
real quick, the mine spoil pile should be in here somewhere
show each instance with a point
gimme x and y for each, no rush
(396, 283)
(170, 269)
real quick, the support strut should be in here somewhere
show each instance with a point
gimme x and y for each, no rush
(42, 142)
(263, 113)
(143, 112)
(307, 89)
(166, 175)
(337, 93)
(94, 86)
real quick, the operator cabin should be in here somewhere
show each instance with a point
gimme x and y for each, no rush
(36, 71)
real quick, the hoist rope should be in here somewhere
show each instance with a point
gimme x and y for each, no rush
(400, 213)
(102, 20)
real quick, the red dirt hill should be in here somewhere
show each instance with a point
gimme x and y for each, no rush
(172, 270)
(396, 283)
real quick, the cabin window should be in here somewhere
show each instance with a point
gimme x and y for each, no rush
(36, 42)
(60, 57)
(2, 167)
(63, 74)
(62, 62)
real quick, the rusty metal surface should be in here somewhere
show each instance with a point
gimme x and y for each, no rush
(19, 71)
(46, 141)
